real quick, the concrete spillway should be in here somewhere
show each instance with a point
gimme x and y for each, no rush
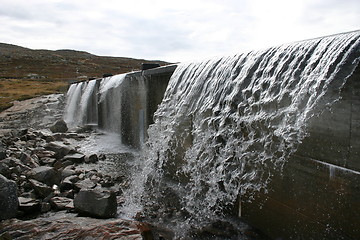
(270, 137)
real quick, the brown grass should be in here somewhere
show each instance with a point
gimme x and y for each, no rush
(22, 89)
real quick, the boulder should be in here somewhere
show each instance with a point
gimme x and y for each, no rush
(2, 152)
(40, 188)
(29, 205)
(59, 127)
(68, 182)
(75, 158)
(62, 203)
(93, 158)
(28, 160)
(99, 203)
(62, 225)
(4, 169)
(8, 198)
(45, 174)
(59, 148)
(67, 171)
(85, 184)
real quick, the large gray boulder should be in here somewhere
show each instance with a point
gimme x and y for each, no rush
(2, 152)
(45, 174)
(8, 198)
(59, 127)
(99, 203)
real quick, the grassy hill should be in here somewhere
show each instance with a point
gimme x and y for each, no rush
(26, 73)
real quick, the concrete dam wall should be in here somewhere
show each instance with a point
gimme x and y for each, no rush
(269, 137)
(123, 103)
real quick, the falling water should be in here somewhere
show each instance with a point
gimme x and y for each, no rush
(110, 103)
(72, 103)
(226, 125)
(81, 104)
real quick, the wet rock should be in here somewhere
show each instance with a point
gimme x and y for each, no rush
(62, 203)
(28, 160)
(75, 158)
(19, 132)
(40, 188)
(97, 203)
(41, 153)
(93, 158)
(4, 169)
(61, 225)
(29, 205)
(85, 184)
(8, 198)
(59, 148)
(3, 154)
(45, 174)
(69, 182)
(45, 207)
(59, 127)
(67, 171)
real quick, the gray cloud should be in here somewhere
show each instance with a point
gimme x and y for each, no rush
(172, 31)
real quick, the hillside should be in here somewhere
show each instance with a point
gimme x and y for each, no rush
(19, 62)
(26, 73)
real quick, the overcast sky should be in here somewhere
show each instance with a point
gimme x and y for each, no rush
(174, 31)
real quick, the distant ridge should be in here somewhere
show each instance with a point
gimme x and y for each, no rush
(65, 64)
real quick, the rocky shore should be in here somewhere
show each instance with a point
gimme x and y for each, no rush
(52, 187)
(48, 189)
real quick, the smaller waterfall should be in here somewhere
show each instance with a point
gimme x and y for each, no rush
(123, 104)
(110, 103)
(81, 105)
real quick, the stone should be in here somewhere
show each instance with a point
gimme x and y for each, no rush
(28, 160)
(45, 207)
(85, 184)
(40, 188)
(68, 182)
(29, 205)
(8, 198)
(59, 127)
(59, 148)
(97, 203)
(93, 158)
(67, 171)
(42, 153)
(4, 169)
(45, 174)
(75, 158)
(62, 225)
(62, 203)
(3, 154)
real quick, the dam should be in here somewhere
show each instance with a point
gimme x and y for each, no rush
(269, 137)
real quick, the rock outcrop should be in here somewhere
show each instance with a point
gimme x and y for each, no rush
(8, 198)
(63, 225)
(97, 203)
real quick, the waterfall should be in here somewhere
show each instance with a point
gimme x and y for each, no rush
(118, 104)
(110, 103)
(81, 104)
(225, 125)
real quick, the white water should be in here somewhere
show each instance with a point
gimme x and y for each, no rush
(111, 92)
(226, 125)
(72, 103)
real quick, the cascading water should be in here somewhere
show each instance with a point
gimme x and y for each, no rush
(110, 103)
(226, 125)
(81, 106)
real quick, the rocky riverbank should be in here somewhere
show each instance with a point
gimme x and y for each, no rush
(48, 188)
(56, 183)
